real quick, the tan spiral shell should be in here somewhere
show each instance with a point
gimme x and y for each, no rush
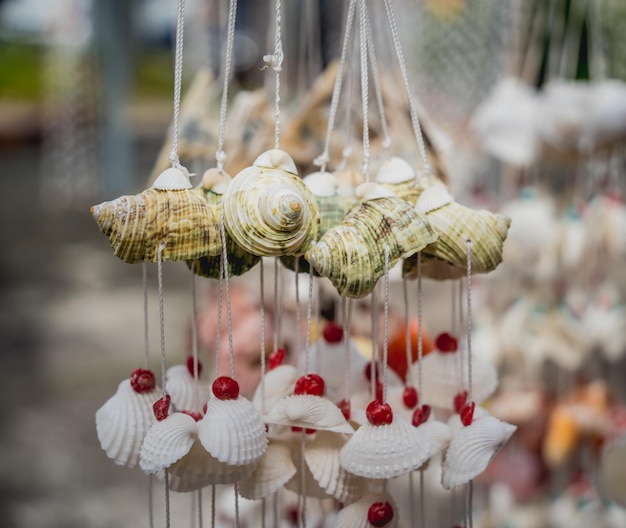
(456, 224)
(182, 219)
(352, 254)
(268, 211)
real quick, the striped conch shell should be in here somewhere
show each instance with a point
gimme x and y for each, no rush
(455, 224)
(170, 212)
(214, 184)
(396, 174)
(352, 254)
(268, 211)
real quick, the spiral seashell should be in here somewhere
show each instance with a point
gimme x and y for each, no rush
(123, 421)
(273, 470)
(455, 224)
(351, 254)
(181, 219)
(385, 451)
(322, 458)
(356, 514)
(310, 412)
(472, 448)
(167, 442)
(268, 211)
(441, 378)
(278, 382)
(232, 431)
(187, 394)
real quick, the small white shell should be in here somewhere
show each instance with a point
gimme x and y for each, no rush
(472, 448)
(186, 393)
(278, 382)
(395, 170)
(372, 191)
(439, 435)
(198, 469)
(123, 421)
(173, 179)
(276, 159)
(311, 412)
(441, 379)
(322, 457)
(273, 470)
(385, 451)
(167, 442)
(321, 183)
(215, 181)
(232, 431)
(432, 198)
(311, 487)
(355, 515)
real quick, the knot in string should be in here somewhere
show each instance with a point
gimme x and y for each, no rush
(220, 157)
(275, 61)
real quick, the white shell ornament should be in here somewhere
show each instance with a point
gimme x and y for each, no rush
(268, 211)
(351, 254)
(278, 382)
(167, 442)
(232, 431)
(123, 421)
(187, 394)
(472, 448)
(385, 451)
(398, 175)
(310, 412)
(356, 514)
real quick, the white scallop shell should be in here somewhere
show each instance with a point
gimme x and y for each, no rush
(355, 515)
(276, 159)
(472, 448)
(294, 484)
(167, 442)
(432, 198)
(198, 469)
(322, 457)
(232, 431)
(186, 393)
(395, 170)
(273, 470)
(173, 179)
(372, 191)
(440, 381)
(311, 412)
(123, 421)
(385, 451)
(439, 435)
(321, 183)
(278, 382)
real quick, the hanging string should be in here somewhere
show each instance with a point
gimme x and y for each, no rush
(161, 312)
(200, 522)
(237, 504)
(346, 305)
(194, 339)
(461, 327)
(364, 89)
(417, 129)
(309, 309)
(323, 158)
(470, 501)
(213, 506)
(192, 516)
(469, 320)
(276, 303)
(146, 334)
(150, 501)
(231, 353)
(377, 84)
(218, 331)
(275, 61)
(407, 334)
(220, 155)
(303, 478)
(263, 512)
(167, 499)
(178, 78)
(262, 288)
(348, 108)
(386, 325)
(318, 324)
(298, 338)
(420, 325)
(374, 359)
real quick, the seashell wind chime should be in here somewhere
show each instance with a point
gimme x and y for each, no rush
(341, 430)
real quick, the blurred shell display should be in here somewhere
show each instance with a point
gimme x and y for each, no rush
(232, 431)
(472, 448)
(268, 211)
(187, 394)
(352, 254)
(123, 421)
(307, 411)
(385, 451)
(356, 514)
(137, 225)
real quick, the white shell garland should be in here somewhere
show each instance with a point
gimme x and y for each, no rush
(356, 515)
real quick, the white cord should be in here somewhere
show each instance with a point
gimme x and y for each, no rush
(309, 310)
(231, 353)
(194, 340)
(218, 331)
(469, 320)
(407, 335)
(386, 325)
(178, 78)
(262, 287)
(364, 88)
(145, 317)
(275, 61)
(417, 130)
(420, 348)
(220, 155)
(161, 313)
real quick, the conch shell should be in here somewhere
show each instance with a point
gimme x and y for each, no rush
(268, 211)
(351, 254)
(455, 225)
(169, 213)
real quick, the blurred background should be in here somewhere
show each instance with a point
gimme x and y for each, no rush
(86, 92)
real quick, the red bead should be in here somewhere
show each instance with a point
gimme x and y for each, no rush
(421, 415)
(142, 380)
(344, 406)
(460, 400)
(333, 333)
(312, 384)
(379, 413)
(368, 371)
(225, 388)
(308, 431)
(467, 413)
(161, 407)
(276, 358)
(446, 342)
(190, 366)
(409, 397)
(195, 415)
(380, 514)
